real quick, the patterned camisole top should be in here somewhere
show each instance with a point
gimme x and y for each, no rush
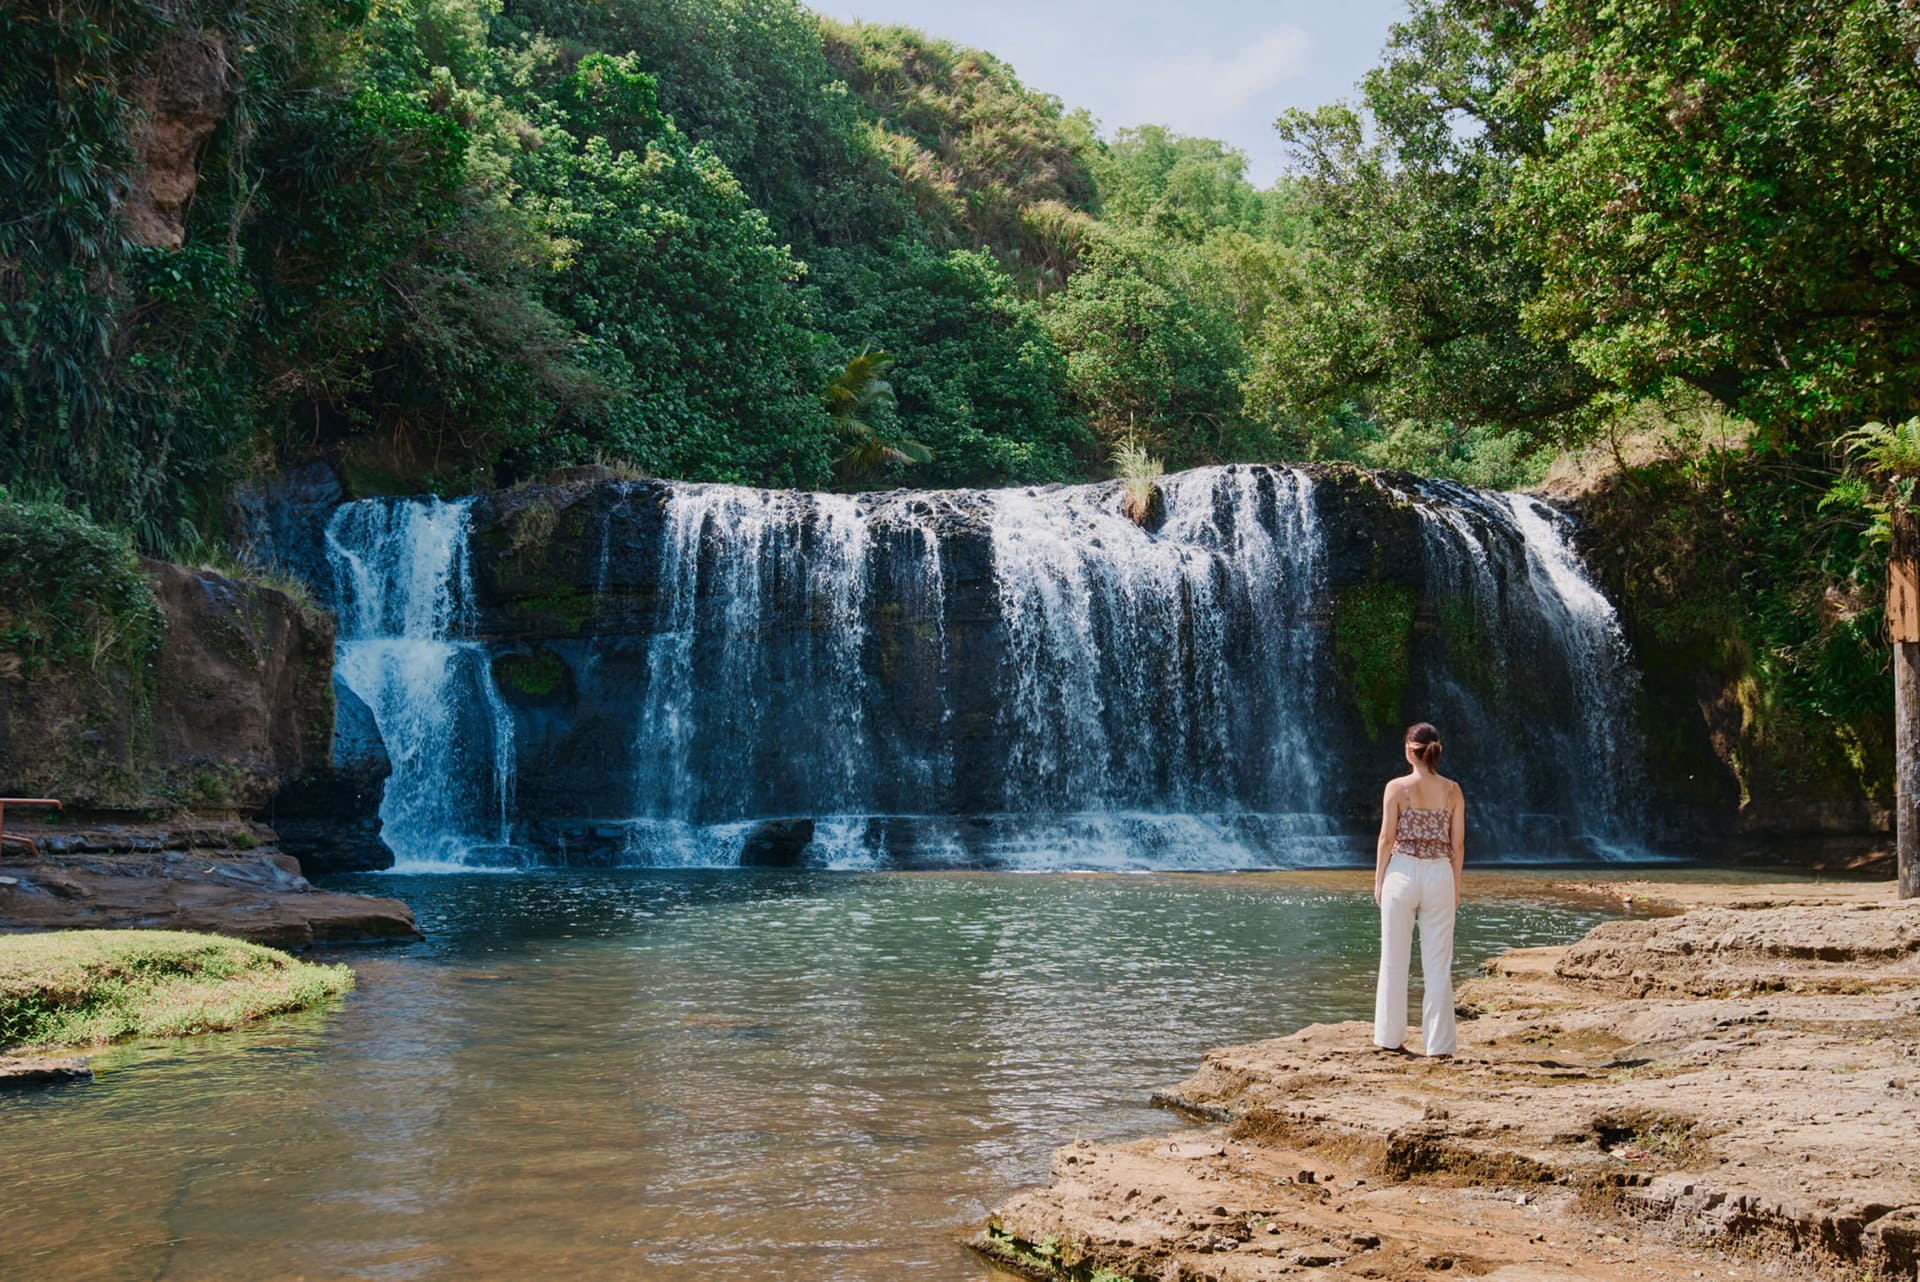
(1424, 834)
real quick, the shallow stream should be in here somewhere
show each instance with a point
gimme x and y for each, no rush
(700, 1075)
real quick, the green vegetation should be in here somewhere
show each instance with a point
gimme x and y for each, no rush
(78, 987)
(1049, 1257)
(856, 397)
(452, 244)
(1760, 564)
(73, 594)
(536, 675)
(1138, 473)
(1373, 639)
(455, 243)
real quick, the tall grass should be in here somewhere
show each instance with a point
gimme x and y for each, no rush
(1138, 473)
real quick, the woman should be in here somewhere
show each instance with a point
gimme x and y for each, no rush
(1416, 876)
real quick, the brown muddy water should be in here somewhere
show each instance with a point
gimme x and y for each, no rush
(700, 1075)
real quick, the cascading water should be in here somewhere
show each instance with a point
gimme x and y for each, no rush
(1019, 678)
(403, 591)
(1532, 678)
(1172, 672)
(1138, 674)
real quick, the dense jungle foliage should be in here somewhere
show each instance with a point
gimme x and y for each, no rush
(454, 243)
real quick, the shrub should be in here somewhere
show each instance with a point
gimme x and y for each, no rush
(74, 593)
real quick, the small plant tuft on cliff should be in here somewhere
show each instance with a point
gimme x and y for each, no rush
(1138, 473)
(531, 529)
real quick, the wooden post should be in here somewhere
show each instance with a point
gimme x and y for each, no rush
(1903, 624)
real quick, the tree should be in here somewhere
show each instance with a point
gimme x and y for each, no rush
(1153, 355)
(1186, 188)
(1409, 303)
(1727, 195)
(855, 397)
(1892, 454)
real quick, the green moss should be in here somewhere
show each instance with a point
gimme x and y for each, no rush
(77, 987)
(1049, 1258)
(536, 675)
(1373, 638)
(1470, 650)
(569, 605)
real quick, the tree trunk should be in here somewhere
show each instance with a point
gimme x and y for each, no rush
(1903, 622)
(1906, 805)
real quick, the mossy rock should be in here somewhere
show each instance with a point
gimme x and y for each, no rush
(569, 606)
(1373, 640)
(541, 675)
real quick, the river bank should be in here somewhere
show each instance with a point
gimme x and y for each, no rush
(1729, 1087)
(223, 877)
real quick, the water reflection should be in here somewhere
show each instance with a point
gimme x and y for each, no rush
(660, 1075)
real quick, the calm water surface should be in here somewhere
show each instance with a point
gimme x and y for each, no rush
(682, 1075)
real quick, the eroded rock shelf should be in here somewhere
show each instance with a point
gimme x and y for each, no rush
(1736, 1085)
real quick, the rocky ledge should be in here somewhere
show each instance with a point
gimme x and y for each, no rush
(222, 878)
(42, 1070)
(1709, 1094)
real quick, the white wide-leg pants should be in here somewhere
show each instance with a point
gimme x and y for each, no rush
(1416, 889)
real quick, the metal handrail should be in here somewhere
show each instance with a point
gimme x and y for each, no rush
(28, 842)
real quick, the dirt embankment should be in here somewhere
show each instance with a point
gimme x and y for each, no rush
(1730, 1092)
(237, 704)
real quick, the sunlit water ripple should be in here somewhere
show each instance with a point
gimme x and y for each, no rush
(683, 1075)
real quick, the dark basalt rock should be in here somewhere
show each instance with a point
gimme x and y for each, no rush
(777, 843)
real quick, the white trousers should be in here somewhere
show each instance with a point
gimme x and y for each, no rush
(1416, 889)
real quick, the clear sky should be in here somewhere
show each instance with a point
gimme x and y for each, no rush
(1216, 68)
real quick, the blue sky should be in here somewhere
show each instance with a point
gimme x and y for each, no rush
(1209, 67)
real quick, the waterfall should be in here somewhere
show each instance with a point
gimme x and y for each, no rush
(726, 713)
(1161, 671)
(1005, 678)
(403, 591)
(1531, 680)
(802, 661)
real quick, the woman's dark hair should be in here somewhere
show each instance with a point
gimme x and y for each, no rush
(1426, 744)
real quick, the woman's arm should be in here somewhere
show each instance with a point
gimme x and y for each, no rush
(1383, 849)
(1459, 840)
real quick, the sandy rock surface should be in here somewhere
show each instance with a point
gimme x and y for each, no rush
(1722, 1090)
(42, 1070)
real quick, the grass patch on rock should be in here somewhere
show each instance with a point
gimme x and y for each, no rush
(83, 987)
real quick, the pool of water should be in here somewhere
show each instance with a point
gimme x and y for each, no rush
(701, 1075)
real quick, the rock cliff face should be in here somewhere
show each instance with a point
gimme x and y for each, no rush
(182, 94)
(1757, 783)
(237, 705)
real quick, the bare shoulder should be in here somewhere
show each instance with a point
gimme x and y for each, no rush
(1459, 793)
(1395, 787)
